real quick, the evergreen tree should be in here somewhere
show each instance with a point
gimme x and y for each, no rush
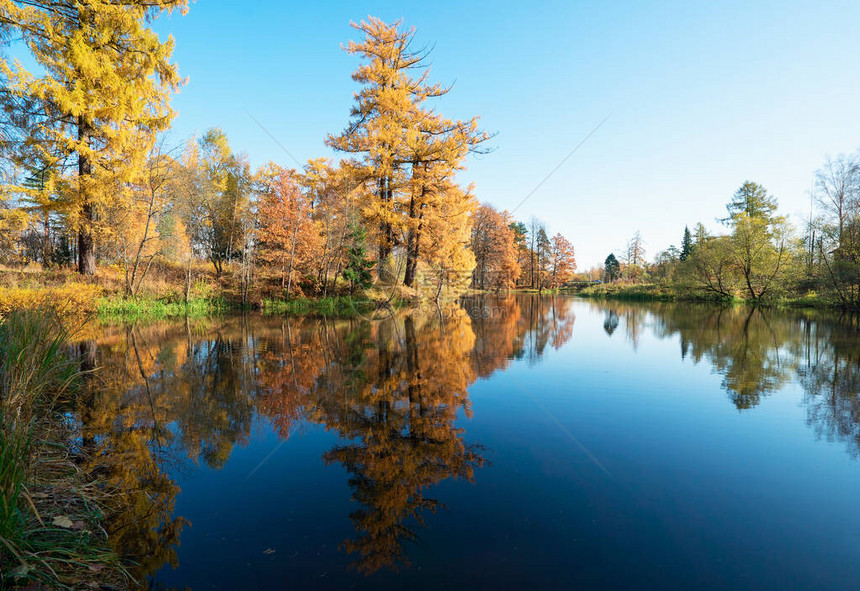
(611, 268)
(358, 266)
(686, 244)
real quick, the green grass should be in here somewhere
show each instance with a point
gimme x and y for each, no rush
(38, 479)
(643, 292)
(14, 450)
(340, 306)
(808, 300)
(121, 308)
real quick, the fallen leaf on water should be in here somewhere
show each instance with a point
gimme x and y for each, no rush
(63, 521)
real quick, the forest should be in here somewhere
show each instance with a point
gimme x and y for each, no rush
(94, 193)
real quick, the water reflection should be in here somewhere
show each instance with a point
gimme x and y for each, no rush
(171, 397)
(758, 350)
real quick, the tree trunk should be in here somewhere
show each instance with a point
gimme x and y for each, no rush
(386, 240)
(414, 238)
(411, 250)
(292, 255)
(188, 279)
(46, 241)
(86, 244)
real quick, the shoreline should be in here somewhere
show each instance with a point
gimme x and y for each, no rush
(645, 292)
(86, 300)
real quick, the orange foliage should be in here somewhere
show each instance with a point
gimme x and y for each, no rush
(495, 250)
(562, 261)
(289, 239)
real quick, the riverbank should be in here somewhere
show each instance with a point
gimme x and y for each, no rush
(630, 292)
(162, 296)
(51, 510)
(649, 292)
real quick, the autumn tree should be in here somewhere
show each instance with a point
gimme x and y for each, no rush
(288, 236)
(378, 119)
(98, 94)
(224, 185)
(493, 244)
(333, 203)
(142, 218)
(444, 240)
(13, 223)
(562, 261)
(190, 190)
(436, 149)
(410, 153)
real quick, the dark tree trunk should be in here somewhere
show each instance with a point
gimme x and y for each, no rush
(86, 244)
(384, 234)
(414, 238)
(411, 250)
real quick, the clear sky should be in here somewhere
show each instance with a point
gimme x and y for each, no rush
(703, 96)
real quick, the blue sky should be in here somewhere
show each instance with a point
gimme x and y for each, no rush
(703, 96)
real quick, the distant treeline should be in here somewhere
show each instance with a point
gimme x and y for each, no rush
(761, 256)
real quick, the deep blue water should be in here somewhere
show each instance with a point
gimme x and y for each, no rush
(501, 443)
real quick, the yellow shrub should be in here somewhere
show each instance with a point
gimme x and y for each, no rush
(69, 300)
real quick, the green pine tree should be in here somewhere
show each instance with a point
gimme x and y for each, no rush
(611, 268)
(686, 244)
(358, 265)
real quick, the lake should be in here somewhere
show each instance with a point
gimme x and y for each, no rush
(503, 442)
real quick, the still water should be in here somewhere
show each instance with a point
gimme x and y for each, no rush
(497, 442)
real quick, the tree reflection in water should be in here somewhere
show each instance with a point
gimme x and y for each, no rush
(169, 397)
(173, 396)
(757, 351)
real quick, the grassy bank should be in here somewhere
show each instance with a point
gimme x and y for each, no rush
(645, 292)
(49, 511)
(148, 308)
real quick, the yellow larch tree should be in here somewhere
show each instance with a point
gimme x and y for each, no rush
(383, 110)
(435, 149)
(408, 151)
(101, 93)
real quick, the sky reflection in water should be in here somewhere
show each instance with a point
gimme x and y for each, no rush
(502, 442)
